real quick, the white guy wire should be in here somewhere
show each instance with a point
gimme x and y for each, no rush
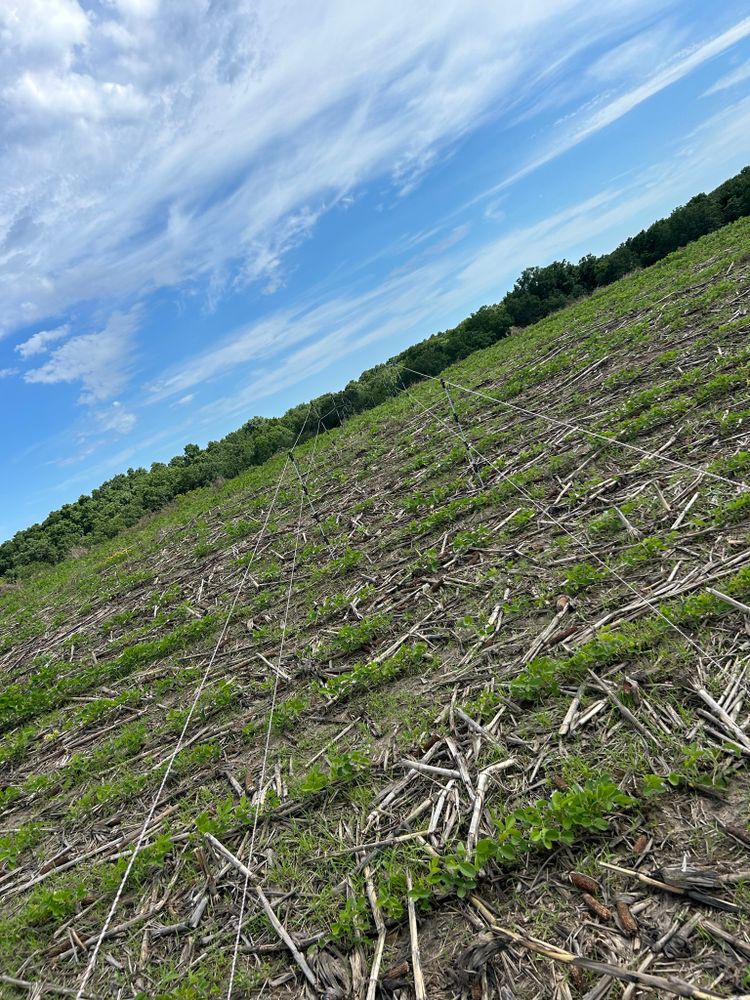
(277, 674)
(199, 690)
(583, 544)
(583, 430)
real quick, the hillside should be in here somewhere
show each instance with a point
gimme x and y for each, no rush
(122, 501)
(472, 656)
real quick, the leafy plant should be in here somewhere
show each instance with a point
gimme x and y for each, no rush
(352, 920)
(219, 819)
(149, 860)
(484, 707)
(316, 780)
(53, 905)
(368, 675)
(353, 636)
(653, 785)
(348, 765)
(345, 768)
(520, 519)
(582, 807)
(537, 679)
(647, 549)
(345, 563)
(429, 561)
(733, 511)
(12, 845)
(583, 576)
(454, 873)
(697, 766)
(213, 701)
(472, 538)
(287, 712)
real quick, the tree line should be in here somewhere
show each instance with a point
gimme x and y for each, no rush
(126, 498)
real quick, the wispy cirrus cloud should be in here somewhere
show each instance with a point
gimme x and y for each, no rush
(410, 299)
(290, 345)
(606, 110)
(150, 145)
(39, 342)
(729, 80)
(116, 418)
(636, 57)
(229, 197)
(98, 361)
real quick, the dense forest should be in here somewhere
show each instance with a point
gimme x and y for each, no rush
(124, 499)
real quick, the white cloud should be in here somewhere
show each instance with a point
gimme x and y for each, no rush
(152, 144)
(99, 361)
(76, 458)
(7, 372)
(148, 144)
(722, 140)
(414, 302)
(137, 8)
(42, 30)
(637, 56)
(592, 119)
(673, 72)
(293, 344)
(44, 96)
(420, 299)
(40, 341)
(116, 418)
(737, 76)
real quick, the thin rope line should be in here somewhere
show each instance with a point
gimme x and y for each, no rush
(583, 544)
(199, 690)
(266, 748)
(583, 430)
(303, 484)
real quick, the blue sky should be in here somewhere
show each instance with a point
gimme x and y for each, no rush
(216, 209)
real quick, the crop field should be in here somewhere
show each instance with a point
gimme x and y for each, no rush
(453, 703)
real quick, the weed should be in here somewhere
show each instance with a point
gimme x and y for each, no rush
(367, 675)
(583, 576)
(472, 538)
(53, 905)
(12, 845)
(352, 637)
(453, 873)
(352, 921)
(645, 550)
(211, 702)
(345, 563)
(733, 511)
(535, 681)
(287, 712)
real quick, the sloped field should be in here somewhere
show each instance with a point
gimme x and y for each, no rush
(472, 656)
